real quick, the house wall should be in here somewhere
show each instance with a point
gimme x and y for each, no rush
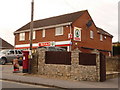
(49, 36)
(86, 41)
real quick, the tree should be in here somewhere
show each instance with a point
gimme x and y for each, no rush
(116, 50)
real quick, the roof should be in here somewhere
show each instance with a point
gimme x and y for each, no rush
(5, 45)
(66, 18)
(101, 31)
(71, 17)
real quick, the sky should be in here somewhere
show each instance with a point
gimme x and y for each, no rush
(16, 13)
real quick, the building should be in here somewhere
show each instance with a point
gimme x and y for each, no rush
(116, 49)
(116, 44)
(68, 31)
(5, 45)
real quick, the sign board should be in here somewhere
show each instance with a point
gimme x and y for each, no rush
(77, 34)
(70, 36)
(47, 44)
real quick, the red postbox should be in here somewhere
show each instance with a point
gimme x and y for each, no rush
(25, 61)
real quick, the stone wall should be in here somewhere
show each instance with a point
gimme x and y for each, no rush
(112, 64)
(72, 72)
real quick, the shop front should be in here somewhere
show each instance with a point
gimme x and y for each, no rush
(62, 44)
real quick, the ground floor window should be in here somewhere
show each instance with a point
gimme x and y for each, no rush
(67, 48)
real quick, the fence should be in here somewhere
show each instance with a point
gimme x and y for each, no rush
(67, 65)
(83, 59)
(53, 57)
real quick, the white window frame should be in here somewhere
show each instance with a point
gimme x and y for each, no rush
(59, 31)
(34, 35)
(101, 37)
(43, 33)
(22, 36)
(91, 34)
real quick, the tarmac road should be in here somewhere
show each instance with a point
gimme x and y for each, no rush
(11, 84)
(8, 68)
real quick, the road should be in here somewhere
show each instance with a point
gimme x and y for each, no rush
(8, 68)
(11, 84)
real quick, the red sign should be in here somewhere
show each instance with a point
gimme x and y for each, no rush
(70, 36)
(45, 44)
(77, 39)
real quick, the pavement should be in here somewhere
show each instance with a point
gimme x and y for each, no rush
(7, 74)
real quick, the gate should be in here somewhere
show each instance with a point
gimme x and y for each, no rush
(102, 67)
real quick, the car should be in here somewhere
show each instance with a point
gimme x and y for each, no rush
(8, 55)
(51, 48)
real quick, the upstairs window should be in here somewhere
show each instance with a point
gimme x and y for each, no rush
(58, 31)
(91, 34)
(34, 35)
(43, 33)
(101, 37)
(22, 37)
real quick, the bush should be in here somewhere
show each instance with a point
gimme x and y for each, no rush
(116, 50)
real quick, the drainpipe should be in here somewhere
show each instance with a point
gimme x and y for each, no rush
(72, 36)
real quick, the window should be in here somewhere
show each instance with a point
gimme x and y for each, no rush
(105, 37)
(43, 33)
(59, 31)
(11, 52)
(22, 36)
(91, 34)
(16, 52)
(19, 52)
(34, 35)
(101, 37)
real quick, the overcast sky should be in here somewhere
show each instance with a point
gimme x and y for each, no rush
(16, 13)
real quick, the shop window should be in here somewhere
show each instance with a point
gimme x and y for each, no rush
(58, 31)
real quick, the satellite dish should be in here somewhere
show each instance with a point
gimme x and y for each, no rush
(89, 23)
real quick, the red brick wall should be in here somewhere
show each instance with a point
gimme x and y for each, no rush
(49, 36)
(86, 41)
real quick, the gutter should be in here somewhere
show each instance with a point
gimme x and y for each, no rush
(46, 27)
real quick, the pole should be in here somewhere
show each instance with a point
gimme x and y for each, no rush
(31, 24)
(31, 35)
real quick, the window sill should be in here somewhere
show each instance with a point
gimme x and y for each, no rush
(58, 34)
(92, 38)
(21, 40)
